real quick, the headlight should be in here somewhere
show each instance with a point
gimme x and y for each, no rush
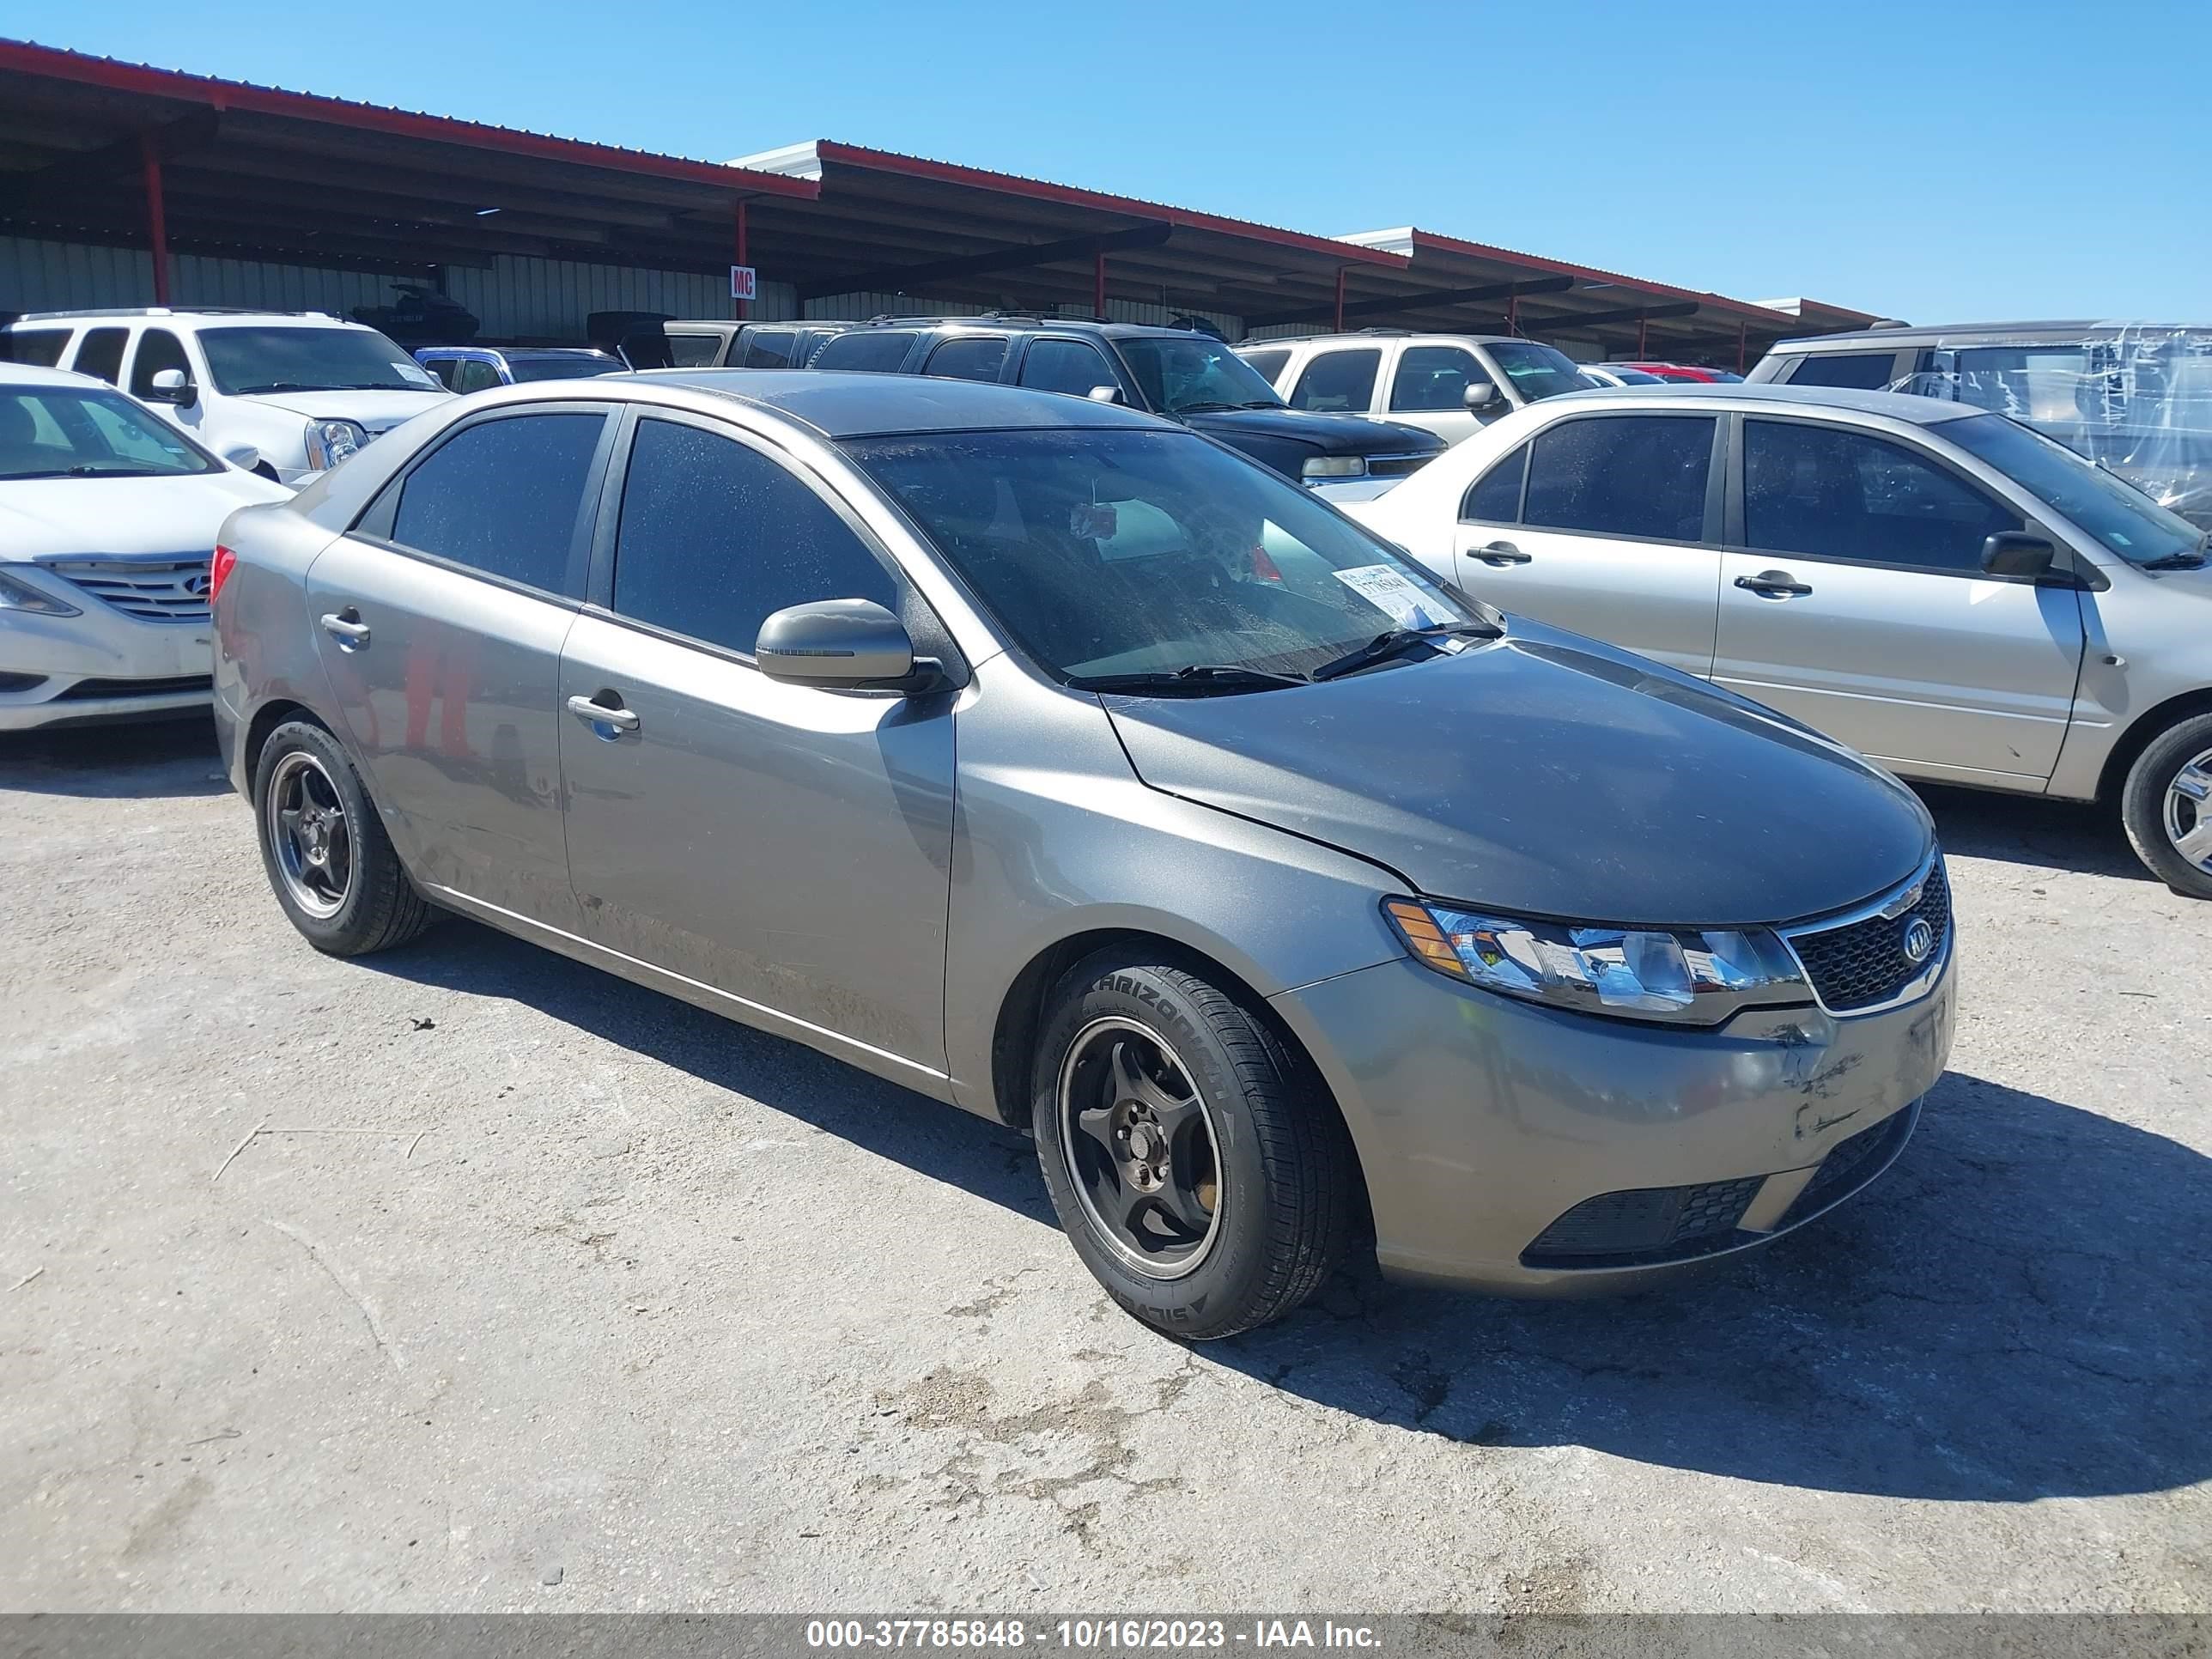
(330, 442)
(16, 594)
(1334, 467)
(1690, 978)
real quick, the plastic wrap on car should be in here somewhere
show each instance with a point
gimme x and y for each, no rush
(2134, 399)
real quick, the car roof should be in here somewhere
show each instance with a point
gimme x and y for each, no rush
(1896, 406)
(187, 316)
(854, 404)
(1375, 336)
(33, 374)
(2063, 329)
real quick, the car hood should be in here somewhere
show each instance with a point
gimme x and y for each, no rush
(71, 518)
(1549, 775)
(1326, 435)
(376, 411)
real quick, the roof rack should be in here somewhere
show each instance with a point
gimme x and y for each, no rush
(167, 311)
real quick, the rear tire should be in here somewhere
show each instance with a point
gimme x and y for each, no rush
(2162, 809)
(328, 860)
(1198, 1166)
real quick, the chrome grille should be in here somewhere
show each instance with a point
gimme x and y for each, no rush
(1396, 466)
(152, 590)
(1861, 963)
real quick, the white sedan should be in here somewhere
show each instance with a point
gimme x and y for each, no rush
(108, 517)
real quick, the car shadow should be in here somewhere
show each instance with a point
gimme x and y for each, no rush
(2049, 835)
(2016, 1310)
(151, 758)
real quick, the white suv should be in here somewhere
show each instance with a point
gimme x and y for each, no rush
(1453, 385)
(302, 390)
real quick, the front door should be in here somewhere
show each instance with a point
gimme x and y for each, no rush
(787, 847)
(1428, 389)
(441, 619)
(1857, 604)
(1605, 524)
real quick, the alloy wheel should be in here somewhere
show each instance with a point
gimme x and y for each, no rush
(2189, 812)
(308, 830)
(1141, 1147)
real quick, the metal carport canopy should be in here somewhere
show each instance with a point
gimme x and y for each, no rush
(94, 150)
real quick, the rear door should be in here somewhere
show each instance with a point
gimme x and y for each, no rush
(1854, 599)
(439, 617)
(787, 847)
(967, 357)
(1607, 524)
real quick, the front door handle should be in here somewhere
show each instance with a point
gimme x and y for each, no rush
(347, 627)
(1501, 553)
(610, 712)
(1773, 585)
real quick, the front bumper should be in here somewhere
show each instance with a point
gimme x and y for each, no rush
(1518, 1148)
(100, 665)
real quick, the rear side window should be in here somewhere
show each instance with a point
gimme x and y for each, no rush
(864, 348)
(693, 350)
(102, 354)
(1859, 371)
(1269, 363)
(768, 347)
(1433, 379)
(1495, 497)
(1343, 382)
(969, 357)
(714, 536)
(1622, 475)
(504, 497)
(158, 349)
(1831, 493)
(1071, 365)
(41, 347)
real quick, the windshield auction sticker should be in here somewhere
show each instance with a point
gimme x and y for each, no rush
(1388, 591)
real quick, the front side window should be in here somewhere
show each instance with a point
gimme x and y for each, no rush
(476, 375)
(1622, 475)
(100, 354)
(1828, 492)
(969, 357)
(768, 347)
(1539, 371)
(243, 360)
(2120, 516)
(1340, 382)
(1495, 497)
(714, 536)
(881, 350)
(503, 496)
(158, 349)
(1855, 371)
(1105, 553)
(442, 370)
(1073, 367)
(66, 433)
(1193, 375)
(1433, 379)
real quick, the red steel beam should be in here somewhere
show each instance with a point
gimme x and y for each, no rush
(157, 223)
(739, 308)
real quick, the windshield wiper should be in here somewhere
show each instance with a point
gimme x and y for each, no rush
(291, 386)
(1198, 677)
(1399, 640)
(88, 471)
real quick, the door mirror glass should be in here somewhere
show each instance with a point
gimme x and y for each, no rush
(2018, 553)
(1480, 395)
(840, 644)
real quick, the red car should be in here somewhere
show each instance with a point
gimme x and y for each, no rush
(1680, 371)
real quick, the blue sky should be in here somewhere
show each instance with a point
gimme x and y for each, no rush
(1943, 160)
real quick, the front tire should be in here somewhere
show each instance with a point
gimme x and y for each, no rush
(328, 860)
(1196, 1164)
(2166, 806)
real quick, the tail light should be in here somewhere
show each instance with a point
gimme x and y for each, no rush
(219, 569)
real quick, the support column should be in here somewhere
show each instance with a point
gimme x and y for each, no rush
(1743, 344)
(157, 222)
(1642, 350)
(1512, 313)
(738, 309)
(1098, 285)
(1340, 299)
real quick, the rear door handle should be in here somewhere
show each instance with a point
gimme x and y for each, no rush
(1773, 585)
(1501, 553)
(591, 711)
(347, 627)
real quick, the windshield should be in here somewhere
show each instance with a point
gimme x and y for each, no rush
(578, 367)
(1189, 376)
(2115, 512)
(249, 359)
(67, 433)
(1109, 553)
(1539, 371)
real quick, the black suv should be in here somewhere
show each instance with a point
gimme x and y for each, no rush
(1186, 375)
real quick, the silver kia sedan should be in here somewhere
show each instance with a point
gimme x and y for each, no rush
(1062, 765)
(1958, 597)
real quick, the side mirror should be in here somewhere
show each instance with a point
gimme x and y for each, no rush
(244, 457)
(2018, 553)
(1104, 394)
(173, 385)
(1480, 395)
(843, 645)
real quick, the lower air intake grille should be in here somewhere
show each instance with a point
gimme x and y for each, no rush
(1850, 1164)
(1649, 1224)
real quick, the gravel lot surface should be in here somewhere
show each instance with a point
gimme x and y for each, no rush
(538, 1291)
